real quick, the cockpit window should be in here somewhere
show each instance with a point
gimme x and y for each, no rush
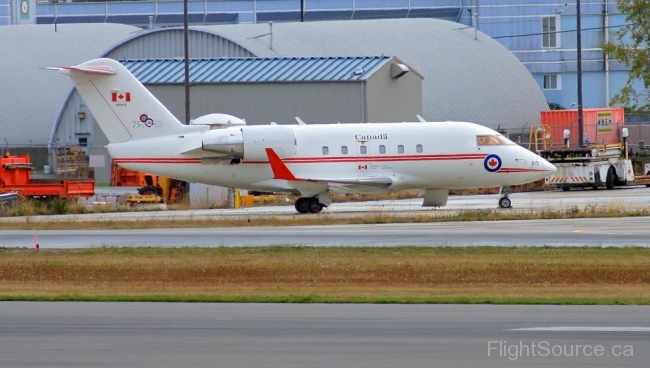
(505, 140)
(493, 140)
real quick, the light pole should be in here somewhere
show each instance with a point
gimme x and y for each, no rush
(579, 59)
(187, 63)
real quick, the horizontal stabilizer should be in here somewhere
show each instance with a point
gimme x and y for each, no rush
(103, 70)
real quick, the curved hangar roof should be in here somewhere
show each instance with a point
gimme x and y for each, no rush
(30, 98)
(464, 78)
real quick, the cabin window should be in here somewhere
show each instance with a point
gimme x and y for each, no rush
(344, 150)
(326, 150)
(382, 149)
(493, 140)
(363, 150)
(418, 148)
(400, 149)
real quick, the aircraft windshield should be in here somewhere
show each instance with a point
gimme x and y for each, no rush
(493, 140)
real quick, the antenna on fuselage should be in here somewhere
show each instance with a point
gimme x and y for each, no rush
(300, 122)
(422, 120)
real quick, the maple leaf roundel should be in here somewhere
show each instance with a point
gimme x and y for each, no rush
(492, 163)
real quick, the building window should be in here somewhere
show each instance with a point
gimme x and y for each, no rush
(326, 150)
(344, 150)
(552, 81)
(418, 148)
(400, 149)
(83, 142)
(363, 150)
(382, 149)
(550, 32)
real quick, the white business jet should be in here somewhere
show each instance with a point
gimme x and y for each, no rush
(310, 160)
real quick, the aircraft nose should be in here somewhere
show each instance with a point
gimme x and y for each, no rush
(549, 167)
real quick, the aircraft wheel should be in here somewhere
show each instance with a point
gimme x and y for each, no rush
(302, 205)
(315, 206)
(505, 202)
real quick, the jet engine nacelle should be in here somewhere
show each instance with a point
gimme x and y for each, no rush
(250, 142)
(227, 142)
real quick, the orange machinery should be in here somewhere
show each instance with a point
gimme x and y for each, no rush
(15, 176)
(169, 189)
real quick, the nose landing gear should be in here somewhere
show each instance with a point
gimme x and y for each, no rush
(504, 201)
(309, 205)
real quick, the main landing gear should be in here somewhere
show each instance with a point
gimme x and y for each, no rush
(504, 201)
(309, 205)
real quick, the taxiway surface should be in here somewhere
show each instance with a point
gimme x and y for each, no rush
(627, 231)
(321, 335)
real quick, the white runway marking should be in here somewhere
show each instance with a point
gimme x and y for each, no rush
(583, 329)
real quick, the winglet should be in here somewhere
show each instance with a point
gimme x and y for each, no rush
(280, 170)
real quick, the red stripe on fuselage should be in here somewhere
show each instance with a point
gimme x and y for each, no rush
(338, 159)
(516, 170)
(306, 160)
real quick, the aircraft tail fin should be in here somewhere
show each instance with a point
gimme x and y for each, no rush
(124, 109)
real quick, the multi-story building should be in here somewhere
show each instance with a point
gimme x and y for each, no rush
(542, 34)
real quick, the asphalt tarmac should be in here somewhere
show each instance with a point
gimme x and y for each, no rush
(626, 231)
(626, 198)
(64, 334)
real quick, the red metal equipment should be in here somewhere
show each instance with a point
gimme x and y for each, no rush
(15, 176)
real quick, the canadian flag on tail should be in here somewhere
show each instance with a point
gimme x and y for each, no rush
(121, 97)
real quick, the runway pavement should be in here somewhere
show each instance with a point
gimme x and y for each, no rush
(634, 231)
(321, 335)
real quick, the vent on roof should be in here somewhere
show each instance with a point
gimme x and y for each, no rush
(398, 70)
(358, 71)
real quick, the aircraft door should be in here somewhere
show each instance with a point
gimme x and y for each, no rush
(258, 138)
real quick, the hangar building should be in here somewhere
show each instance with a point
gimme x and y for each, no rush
(464, 78)
(30, 98)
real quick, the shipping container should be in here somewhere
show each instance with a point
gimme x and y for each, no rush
(600, 125)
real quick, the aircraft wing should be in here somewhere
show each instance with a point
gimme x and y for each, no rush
(307, 186)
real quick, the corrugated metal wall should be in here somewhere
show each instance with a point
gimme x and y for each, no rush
(266, 102)
(169, 44)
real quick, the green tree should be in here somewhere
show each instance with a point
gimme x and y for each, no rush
(630, 49)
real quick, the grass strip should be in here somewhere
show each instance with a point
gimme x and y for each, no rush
(487, 275)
